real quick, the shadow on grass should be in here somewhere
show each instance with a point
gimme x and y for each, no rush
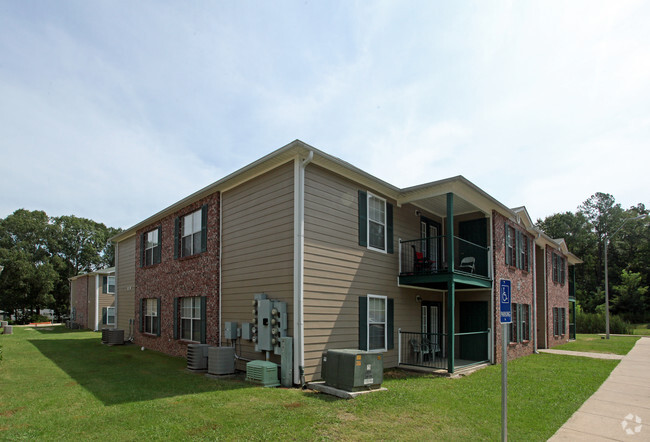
(123, 374)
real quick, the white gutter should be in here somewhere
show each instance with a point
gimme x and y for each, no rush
(299, 267)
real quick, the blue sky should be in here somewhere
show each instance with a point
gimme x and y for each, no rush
(115, 110)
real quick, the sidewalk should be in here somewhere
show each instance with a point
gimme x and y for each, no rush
(620, 409)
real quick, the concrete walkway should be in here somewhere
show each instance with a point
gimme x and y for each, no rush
(585, 354)
(620, 409)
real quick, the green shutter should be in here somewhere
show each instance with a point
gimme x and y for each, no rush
(204, 228)
(204, 321)
(142, 250)
(363, 218)
(389, 228)
(175, 321)
(507, 240)
(142, 301)
(530, 322)
(390, 308)
(529, 245)
(158, 249)
(177, 229)
(104, 284)
(363, 323)
(104, 314)
(159, 315)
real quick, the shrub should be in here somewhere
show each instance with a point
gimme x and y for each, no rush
(595, 323)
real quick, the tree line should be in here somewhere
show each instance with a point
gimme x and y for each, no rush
(39, 253)
(598, 219)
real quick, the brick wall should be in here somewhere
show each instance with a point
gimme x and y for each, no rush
(196, 275)
(79, 293)
(522, 286)
(557, 296)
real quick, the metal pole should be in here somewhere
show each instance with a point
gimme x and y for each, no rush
(606, 293)
(504, 383)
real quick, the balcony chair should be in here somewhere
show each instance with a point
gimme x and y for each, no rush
(416, 349)
(468, 262)
(420, 263)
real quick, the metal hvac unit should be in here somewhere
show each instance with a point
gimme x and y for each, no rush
(221, 360)
(114, 337)
(352, 370)
(105, 335)
(262, 372)
(197, 356)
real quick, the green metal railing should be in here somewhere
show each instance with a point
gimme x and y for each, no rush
(427, 256)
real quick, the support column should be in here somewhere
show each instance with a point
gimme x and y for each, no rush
(451, 285)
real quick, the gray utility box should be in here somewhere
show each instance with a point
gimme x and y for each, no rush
(231, 331)
(270, 322)
(353, 370)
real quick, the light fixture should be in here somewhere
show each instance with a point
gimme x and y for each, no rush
(418, 298)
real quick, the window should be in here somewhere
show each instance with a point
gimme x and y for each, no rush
(514, 326)
(73, 313)
(517, 245)
(191, 231)
(108, 315)
(559, 321)
(108, 284)
(376, 223)
(151, 247)
(375, 323)
(191, 319)
(559, 266)
(519, 328)
(151, 321)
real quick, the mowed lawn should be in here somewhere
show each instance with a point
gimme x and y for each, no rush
(619, 345)
(65, 385)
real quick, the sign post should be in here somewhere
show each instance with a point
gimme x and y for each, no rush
(505, 316)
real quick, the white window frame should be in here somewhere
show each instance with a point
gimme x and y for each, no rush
(191, 216)
(108, 315)
(385, 323)
(108, 285)
(150, 315)
(196, 307)
(150, 244)
(368, 221)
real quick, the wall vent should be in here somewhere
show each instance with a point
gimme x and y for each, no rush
(221, 360)
(197, 356)
(262, 372)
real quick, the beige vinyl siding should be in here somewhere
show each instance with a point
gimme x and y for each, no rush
(125, 284)
(105, 300)
(338, 271)
(257, 248)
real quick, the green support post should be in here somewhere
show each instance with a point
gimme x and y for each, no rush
(451, 285)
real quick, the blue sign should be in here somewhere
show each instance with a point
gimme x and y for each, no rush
(505, 301)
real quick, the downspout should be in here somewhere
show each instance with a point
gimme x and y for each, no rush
(545, 303)
(117, 297)
(96, 303)
(220, 295)
(299, 267)
(534, 264)
(492, 294)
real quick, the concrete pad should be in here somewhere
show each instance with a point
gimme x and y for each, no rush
(631, 388)
(565, 434)
(596, 425)
(321, 387)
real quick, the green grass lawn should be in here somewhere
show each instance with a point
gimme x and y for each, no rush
(640, 329)
(65, 385)
(619, 345)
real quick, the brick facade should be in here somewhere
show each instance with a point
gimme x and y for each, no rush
(79, 299)
(557, 296)
(195, 275)
(522, 286)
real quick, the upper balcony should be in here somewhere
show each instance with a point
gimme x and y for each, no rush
(425, 262)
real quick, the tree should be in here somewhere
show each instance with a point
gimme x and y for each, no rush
(631, 300)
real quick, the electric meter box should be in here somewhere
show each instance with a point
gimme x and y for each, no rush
(353, 370)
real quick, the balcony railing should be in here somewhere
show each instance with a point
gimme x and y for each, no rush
(427, 256)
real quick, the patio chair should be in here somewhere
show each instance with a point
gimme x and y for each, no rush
(420, 263)
(416, 349)
(469, 263)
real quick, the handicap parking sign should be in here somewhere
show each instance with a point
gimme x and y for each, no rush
(505, 301)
